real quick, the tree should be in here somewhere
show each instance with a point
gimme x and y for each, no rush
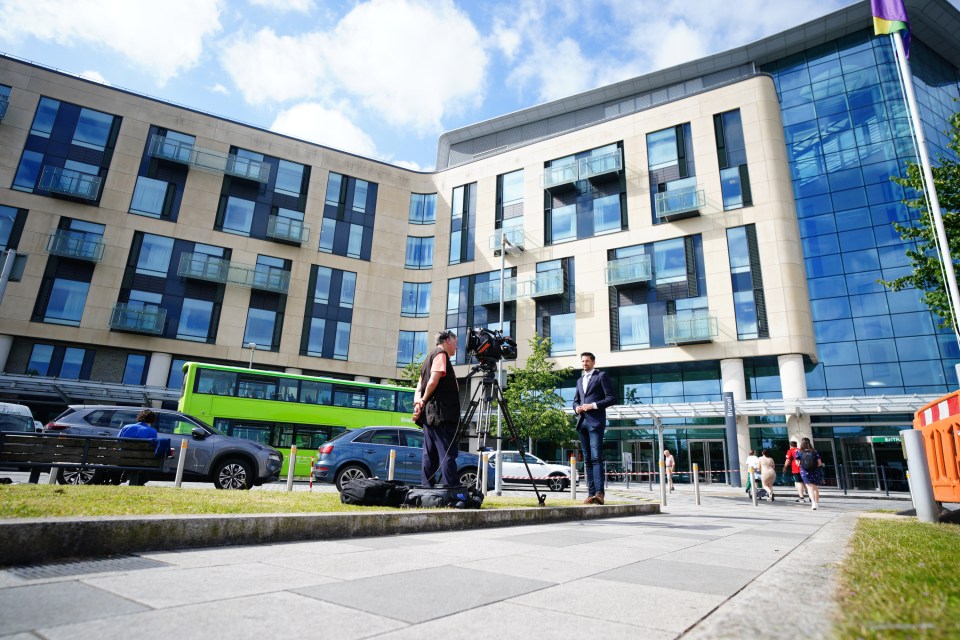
(535, 405)
(927, 275)
(410, 374)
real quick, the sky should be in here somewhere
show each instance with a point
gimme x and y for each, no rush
(379, 78)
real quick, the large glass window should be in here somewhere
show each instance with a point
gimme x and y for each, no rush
(93, 129)
(149, 197)
(463, 221)
(748, 298)
(260, 327)
(563, 334)
(39, 363)
(732, 154)
(415, 300)
(175, 378)
(670, 261)
(65, 305)
(348, 289)
(419, 253)
(28, 172)
(135, 369)
(321, 291)
(238, 216)
(195, 316)
(315, 340)
(634, 327)
(423, 208)
(585, 194)
(342, 344)
(155, 254)
(8, 220)
(289, 178)
(411, 346)
(44, 118)
(563, 223)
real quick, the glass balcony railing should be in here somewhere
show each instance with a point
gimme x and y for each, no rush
(561, 176)
(595, 166)
(75, 244)
(682, 203)
(168, 149)
(208, 160)
(544, 285)
(201, 266)
(688, 330)
(4, 102)
(248, 168)
(629, 270)
(69, 182)
(287, 230)
(487, 293)
(514, 237)
(260, 277)
(138, 318)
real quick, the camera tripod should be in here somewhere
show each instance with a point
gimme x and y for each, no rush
(483, 397)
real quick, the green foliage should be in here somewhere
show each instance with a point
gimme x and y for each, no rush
(410, 374)
(921, 234)
(535, 405)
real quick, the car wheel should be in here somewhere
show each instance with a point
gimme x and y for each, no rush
(557, 483)
(350, 473)
(468, 477)
(233, 473)
(76, 475)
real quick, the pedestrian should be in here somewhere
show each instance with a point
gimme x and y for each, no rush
(668, 464)
(590, 401)
(810, 463)
(436, 407)
(142, 428)
(752, 463)
(768, 472)
(793, 465)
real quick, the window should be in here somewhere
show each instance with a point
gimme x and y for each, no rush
(175, 378)
(463, 221)
(11, 224)
(419, 253)
(748, 297)
(72, 363)
(634, 327)
(238, 216)
(44, 118)
(289, 178)
(149, 197)
(360, 196)
(732, 153)
(334, 187)
(411, 346)
(93, 129)
(315, 339)
(563, 332)
(423, 208)
(509, 212)
(28, 172)
(355, 241)
(672, 170)
(347, 230)
(40, 356)
(155, 254)
(328, 314)
(195, 316)
(321, 291)
(327, 230)
(348, 288)
(670, 261)
(260, 328)
(585, 194)
(342, 344)
(415, 300)
(65, 305)
(135, 370)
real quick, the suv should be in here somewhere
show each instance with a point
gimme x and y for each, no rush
(365, 453)
(555, 476)
(228, 462)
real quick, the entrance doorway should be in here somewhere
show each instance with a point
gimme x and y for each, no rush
(829, 459)
(644, 459)
(711, 456)
(860, 468)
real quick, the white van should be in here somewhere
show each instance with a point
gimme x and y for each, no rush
(16, 417)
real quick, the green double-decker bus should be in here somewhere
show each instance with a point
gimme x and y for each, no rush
(281, 409)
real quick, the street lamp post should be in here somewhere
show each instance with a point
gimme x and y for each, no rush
(253, 347)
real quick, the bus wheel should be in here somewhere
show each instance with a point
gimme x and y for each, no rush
(348, 473)
(233, 473)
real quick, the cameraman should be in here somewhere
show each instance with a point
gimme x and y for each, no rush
(436, 407)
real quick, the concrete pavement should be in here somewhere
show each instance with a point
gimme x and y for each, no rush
(724, 569)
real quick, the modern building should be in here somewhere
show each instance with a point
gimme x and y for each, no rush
(719, 226)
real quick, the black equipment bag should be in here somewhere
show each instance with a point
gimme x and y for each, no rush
(460, 497)
(374, 492)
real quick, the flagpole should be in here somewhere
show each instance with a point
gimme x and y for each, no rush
(945, 258)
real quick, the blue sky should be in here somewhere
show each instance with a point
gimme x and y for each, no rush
(382, 78)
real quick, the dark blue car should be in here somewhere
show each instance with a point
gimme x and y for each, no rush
(365, 453)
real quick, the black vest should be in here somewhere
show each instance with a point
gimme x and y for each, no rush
(444, 403)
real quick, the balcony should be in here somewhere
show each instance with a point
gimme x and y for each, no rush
(679, 204)
(75, 244)
(138, 318)
(514, 237)
(598, 166)
(488, 293)
(165, 148)
(632, 270)
(4, 103)
(260, 277)
(70, 183)
(548, 284)
(287, 230)
(561, 177)
(689, 330)
(248, 169)
(201, 266)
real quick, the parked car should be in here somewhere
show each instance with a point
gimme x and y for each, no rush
(228, 462)
(365, 453)
(16, 417)
(554, 476)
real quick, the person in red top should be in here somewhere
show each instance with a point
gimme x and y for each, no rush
(794, 466)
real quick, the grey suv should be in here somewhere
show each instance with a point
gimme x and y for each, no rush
(228, 462)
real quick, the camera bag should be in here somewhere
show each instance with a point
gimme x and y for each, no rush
(374, 492)
(459, 497)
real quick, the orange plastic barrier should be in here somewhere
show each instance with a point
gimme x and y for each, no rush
(939, 422)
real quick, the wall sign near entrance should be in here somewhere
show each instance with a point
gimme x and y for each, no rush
(882, 439)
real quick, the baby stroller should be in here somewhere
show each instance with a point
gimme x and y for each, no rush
(761, 492)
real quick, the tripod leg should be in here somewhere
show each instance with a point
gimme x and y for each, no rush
(505, 411)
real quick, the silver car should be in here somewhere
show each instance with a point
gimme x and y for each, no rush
(228, 462)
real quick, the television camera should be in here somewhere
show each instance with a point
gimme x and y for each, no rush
(489, 346)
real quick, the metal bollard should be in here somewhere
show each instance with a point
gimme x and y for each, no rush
(484, 475)
(649, 478)
(312, 460)
(393, 464)
(573, 475)
(292, 468)
(54, 475)
(663, 487)
(181, 462)
(883, 475)
(840, 479)
(696, 481)
(753, 485)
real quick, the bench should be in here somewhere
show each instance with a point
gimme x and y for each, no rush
(39, 452)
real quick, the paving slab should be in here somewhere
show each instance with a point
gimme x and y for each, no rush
(35, 606)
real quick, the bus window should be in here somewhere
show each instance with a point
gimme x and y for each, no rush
(218, 383)
(349, 397)
(258, 387)
(251, 431)
(315, 392)
(405, 401)
(311, 437)
(381, 399)
(289, 390)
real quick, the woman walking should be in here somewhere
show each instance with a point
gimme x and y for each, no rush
(768, 472)
(810, 463)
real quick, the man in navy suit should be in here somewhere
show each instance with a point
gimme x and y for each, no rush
(594, 394)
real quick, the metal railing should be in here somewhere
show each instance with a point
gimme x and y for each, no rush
(70, 182)
(682, 203)
(140, 319)
(169, 149)
(201, 266)
(287, 229)
(564, 174)
(628, 270)
(248, 168)
(515, 239)
(678, 330)
(593, 166)
(75, 244)
(547, 283)
(489, 292)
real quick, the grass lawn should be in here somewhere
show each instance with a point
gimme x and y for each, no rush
(43, 501)
(901, 580)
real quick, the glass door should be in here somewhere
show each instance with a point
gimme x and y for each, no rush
(829, 458)
(644, 459)
(860, 468)
(710, 456)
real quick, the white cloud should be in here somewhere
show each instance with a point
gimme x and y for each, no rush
(556, 70)
(163, 41)
(329, 127)
(96, 76)
(302, 6)
(219, 88)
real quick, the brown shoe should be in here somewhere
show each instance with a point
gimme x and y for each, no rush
(598, 499)
(590, 500)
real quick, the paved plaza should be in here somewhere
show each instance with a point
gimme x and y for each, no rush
(724, 568)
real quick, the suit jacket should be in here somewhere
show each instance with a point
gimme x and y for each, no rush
(600, 391)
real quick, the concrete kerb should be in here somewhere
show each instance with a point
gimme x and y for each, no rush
(32, 540)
